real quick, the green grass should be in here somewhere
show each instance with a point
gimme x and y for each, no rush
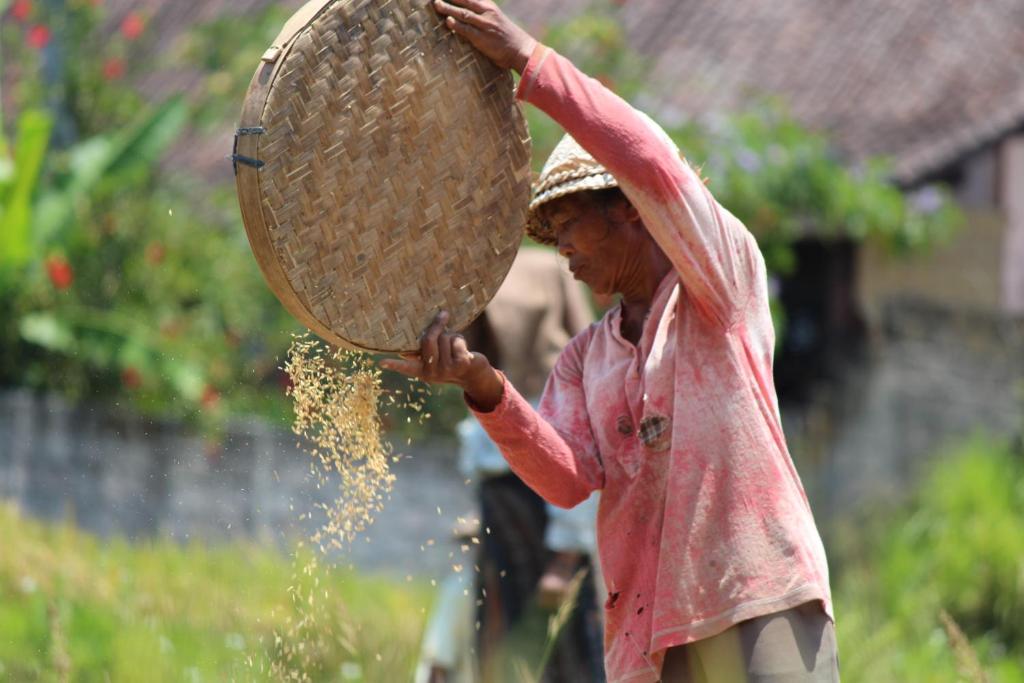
(956, 548)
(76, 608)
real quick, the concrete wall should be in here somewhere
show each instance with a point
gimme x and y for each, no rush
(119, 474)
(931, 378)
(981, 268)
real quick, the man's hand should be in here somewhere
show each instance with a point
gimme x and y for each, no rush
(444, 358)
(489, 30)
(554, 583)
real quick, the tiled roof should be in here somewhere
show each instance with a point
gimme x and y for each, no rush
(202, 153)
(920, 81)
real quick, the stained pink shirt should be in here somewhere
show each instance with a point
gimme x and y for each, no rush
(703, 521)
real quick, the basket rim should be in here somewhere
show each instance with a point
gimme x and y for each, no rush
(251, 194)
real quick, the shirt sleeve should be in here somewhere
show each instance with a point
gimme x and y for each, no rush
(551, 449)
(715, 255)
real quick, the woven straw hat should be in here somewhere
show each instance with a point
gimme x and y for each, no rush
(383, 174)
(569, 169)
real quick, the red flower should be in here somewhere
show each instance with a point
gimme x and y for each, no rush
(155, 253)
(210, 397)
(132, 26)
(38, 36)
(113, 69)
(21, 9)
(131, 378)
(60, 272)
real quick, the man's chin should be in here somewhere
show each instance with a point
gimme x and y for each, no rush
(599, 288)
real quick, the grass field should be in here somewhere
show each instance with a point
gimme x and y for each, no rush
(72, 607)
(929, 591)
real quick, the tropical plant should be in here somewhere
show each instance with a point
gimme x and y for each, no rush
(118, 279)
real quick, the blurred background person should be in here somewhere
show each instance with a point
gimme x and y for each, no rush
(530, 550)
(448, 648)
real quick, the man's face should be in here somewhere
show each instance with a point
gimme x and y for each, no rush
(587, 237)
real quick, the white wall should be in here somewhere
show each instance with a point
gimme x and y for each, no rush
(1012, 199)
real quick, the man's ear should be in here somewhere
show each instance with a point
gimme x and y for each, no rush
(632, 215)
(623, 211)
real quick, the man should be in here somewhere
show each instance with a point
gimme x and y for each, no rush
(714, 568)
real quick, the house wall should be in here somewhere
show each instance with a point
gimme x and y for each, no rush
(1012, 199)
(981, 267)
(945, 355)
(962, 273)
(933, 378)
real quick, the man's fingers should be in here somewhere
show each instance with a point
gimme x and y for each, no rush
(409, 368)
(428, 345)
(478, 6)
(444, 351)
(462, 29)
(460, 350)
(465, 15)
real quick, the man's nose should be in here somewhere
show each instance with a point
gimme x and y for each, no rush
(565, 248)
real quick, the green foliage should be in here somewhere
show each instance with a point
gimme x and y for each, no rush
(227, 49)
(103, 163)
(158, 611)
(958, 546)
(82, 70)
(112, 293)
(785, 182)
(19, 175)
(120, 280)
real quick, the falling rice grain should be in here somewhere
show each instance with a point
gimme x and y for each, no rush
(336, 396)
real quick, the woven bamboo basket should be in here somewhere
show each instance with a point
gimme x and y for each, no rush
(382, 167)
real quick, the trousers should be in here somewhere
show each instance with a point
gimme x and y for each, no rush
(797, 645)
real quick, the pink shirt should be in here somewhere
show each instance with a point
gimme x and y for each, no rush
(703, 521)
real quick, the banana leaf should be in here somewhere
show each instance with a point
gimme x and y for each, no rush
(18, 189)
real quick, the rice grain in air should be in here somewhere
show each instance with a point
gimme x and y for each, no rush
(337, 396)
